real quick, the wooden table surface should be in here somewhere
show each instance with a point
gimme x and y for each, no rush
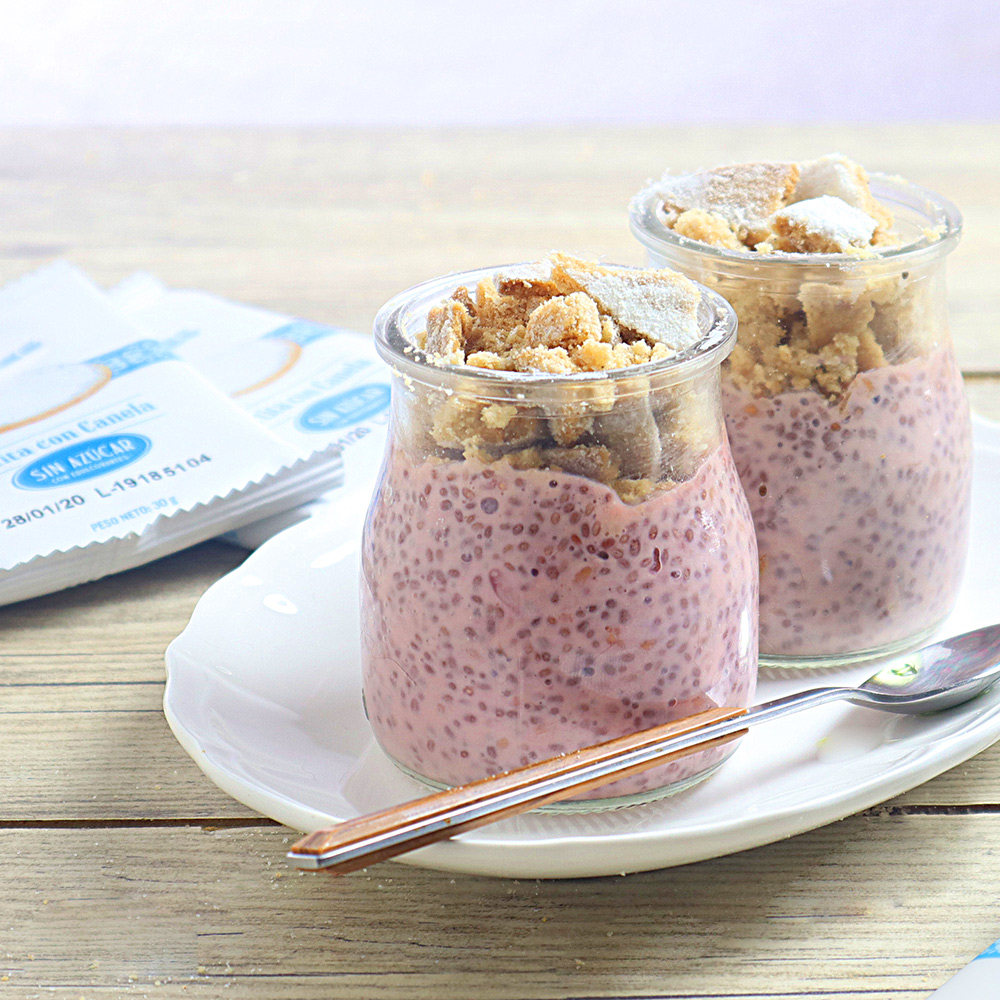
(127, 873)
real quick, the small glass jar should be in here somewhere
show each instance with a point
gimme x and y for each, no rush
(850, 429)
(553, 561)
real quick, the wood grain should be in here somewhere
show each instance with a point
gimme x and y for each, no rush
(96, 752)
(127, 873)
(879, 906)
(330, 224)
(115, 629)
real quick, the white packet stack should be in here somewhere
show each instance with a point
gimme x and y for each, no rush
(112, 451)
(312, 385)
(979, 980)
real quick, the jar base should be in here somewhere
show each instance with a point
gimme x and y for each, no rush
(594, 805)
(769, 661)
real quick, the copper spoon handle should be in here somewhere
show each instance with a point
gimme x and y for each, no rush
(359, 842)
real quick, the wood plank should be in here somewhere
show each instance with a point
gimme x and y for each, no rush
(98, 752)
(113, 629)
(99, 764)
(877, 906)
(329, 224)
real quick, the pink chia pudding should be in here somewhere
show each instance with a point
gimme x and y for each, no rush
(559, 551)
(513, 616)
(843, 400)
(861, 506)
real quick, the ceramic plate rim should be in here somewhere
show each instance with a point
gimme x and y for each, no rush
(547, 856)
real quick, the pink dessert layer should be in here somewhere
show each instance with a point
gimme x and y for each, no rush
(861, 508)
(509, 616)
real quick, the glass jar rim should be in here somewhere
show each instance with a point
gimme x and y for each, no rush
(716, 318)
(938, 211)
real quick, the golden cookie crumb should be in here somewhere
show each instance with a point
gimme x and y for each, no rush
(445, 337)
(564, 321)
(799, 335)
(707, 227)
(741, 193)
(563, 317)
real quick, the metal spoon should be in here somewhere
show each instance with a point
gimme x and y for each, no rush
(936, 677)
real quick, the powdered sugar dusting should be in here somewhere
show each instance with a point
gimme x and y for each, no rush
(741, 193)
(823, 225)
(749, 206)
(835, 175)
(654, 304)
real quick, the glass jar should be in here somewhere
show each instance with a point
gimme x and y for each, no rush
(553, 561)
(850, 429)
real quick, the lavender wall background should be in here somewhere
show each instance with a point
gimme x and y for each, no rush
(388, 62)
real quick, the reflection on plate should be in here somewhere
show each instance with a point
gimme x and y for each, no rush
(264, 692)
(43, 392)
(251, 366)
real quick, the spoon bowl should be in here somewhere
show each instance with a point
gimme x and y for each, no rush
(940, 676)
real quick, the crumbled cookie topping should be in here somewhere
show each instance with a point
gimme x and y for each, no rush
(802, 335)
(739, 194)
(836, 176)
(821, 225)
(821, 335)
(818, 206)
(564, 316)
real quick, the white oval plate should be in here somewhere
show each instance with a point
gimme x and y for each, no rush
(264, 692)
